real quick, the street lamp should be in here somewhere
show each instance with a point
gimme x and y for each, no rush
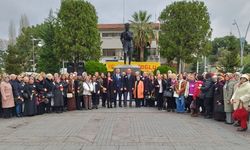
(40, 44)
(242, 41)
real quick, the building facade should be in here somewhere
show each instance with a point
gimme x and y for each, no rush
(112, 47)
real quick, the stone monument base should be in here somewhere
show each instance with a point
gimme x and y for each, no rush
(124, 68)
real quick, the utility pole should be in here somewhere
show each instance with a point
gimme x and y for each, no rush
(242, 41)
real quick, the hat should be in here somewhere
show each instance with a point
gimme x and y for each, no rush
(245, 76)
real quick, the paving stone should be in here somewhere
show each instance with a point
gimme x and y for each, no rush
(119, 129)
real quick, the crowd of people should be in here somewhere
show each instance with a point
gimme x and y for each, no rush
(224, 97)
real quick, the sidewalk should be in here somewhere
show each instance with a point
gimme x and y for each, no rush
(119, 129)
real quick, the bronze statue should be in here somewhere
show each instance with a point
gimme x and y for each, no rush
(127, 43)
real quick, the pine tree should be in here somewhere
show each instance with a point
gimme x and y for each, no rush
(12, 60)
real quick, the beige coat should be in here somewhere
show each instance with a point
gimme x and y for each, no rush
(228, 91)
(242, 93)
(7, 95)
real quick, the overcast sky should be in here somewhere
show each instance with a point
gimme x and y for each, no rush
(222, 12)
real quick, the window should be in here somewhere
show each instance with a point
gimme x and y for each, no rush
(111, 52)
(113, 34)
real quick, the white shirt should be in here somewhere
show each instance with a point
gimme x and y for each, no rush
(87, 88)
(160, 84)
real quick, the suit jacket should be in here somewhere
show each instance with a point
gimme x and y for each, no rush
(156, 83)
(97, 87)
(129, 83)
(118, 82)
(146, 83)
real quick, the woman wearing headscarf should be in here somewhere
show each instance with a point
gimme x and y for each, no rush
(240, 101)
(7, 97)
(228, 91)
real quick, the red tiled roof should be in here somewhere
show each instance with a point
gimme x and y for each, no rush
(118, 27)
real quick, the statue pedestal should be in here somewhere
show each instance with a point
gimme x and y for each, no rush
(124, 68)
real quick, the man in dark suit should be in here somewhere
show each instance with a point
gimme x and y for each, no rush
(118, 86)
(129, 83)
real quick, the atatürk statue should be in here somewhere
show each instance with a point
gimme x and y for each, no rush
(127, 43)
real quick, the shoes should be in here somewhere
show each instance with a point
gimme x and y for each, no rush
(194, 115)
(228, 123)
(208, 117)
(236, 124)
(242, 129)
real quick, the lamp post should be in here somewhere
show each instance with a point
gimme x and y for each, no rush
(242, 41)
(40, 44)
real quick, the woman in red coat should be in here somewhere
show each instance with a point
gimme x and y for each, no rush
(197, 100)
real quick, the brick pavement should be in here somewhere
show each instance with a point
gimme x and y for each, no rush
(119, 129)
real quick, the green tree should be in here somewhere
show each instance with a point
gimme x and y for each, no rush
(185, 31)
(229, 54)
(77, 36)
(92, 66)
(164, 69)
(143, 31)
(25, 48)
(220, 44)
(48, 59)
(12, 60)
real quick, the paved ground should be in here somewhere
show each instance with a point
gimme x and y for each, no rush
(119, 129)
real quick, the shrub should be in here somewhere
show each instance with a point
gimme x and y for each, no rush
(246, 69)
(92, 66)
(165, 69)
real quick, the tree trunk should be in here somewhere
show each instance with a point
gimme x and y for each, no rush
(178, 67)
(141, 54)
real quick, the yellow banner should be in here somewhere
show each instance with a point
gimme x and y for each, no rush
(145, 66)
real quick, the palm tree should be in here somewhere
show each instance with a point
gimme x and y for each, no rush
(143, 31)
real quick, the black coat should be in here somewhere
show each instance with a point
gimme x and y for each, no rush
(65, 87)
(30, 107)
(58, 95)
(14, 86)
(97, 87)
(218, 103)
(156, 83)
(146, 83)
(207, 88)
(110, 89)
(129, 83)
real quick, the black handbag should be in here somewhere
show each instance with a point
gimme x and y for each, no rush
(168, 93)
(219, 108)
(26, 95)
